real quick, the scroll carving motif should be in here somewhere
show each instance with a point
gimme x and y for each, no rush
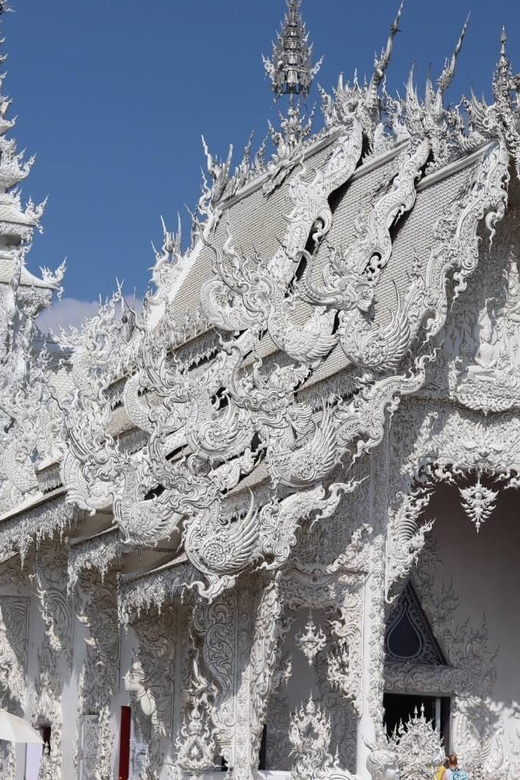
(151, 677)
(14, 616)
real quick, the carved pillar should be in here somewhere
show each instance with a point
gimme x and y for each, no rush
(99, 679)
(14, 620)
(54, 654)
(243, 731)
(370, 725)
(217, 624)
(265, 657)
(14, 612)
(150, 680)
(241, 639)
(229, 626)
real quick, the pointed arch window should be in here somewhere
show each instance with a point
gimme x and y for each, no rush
(409, 637)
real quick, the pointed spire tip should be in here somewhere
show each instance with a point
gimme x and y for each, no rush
(503, 43)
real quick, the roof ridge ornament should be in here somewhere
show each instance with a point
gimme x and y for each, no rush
(503, 81)
(506, 93)
(381, 64)
(290, 68)
(448, 72)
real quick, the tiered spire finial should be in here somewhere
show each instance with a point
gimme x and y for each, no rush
(290, 68)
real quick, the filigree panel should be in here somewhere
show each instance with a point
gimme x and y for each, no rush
(55, 602)
(97, 611)
(152, 674)
(14, 616)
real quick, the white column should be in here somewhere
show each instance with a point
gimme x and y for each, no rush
(366, 729)
(372, 690)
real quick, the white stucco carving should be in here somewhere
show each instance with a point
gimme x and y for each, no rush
(248, 468)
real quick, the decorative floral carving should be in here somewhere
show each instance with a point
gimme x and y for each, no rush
(8, 761)
(20, 531)
(99, 554)
(478, 502)
(418, 747)
(197, 744)
(14, 616)
(223, 453)
(382, 763)
(310, 740)
(153, 590)
(311, 640)
(97, 610)
(151, 677)
(46, 709)
(56, 607)
(95, 746)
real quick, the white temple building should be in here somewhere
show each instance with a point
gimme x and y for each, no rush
(268, 525)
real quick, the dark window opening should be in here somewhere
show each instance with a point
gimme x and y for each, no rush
(399, 708)
(45, 733)
(262, 757)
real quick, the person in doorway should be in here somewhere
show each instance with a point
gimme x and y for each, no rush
(439, 773)
(453, 771)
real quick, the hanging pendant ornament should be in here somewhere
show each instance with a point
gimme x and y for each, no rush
(478, 502)
(311, 640)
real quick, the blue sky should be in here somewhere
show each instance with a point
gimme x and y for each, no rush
(113, 97)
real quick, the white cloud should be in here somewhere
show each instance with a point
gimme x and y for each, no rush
(68, 311)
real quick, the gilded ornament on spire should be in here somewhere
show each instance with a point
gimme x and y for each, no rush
(290, 68)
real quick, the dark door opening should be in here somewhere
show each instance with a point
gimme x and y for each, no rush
(400, 708)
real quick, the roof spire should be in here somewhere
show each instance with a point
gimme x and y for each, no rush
(503, 80)
(17, 222)
(290, 68)
(503, 44)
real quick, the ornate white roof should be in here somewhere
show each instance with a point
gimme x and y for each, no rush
(279, 344)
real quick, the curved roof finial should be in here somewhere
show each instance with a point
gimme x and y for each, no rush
(448, 72)
(381, 64)
(290, 68)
